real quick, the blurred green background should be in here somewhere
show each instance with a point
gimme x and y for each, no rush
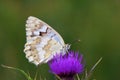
(95, 22)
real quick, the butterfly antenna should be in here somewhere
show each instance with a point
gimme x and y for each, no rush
(73, 42)
(76, 41)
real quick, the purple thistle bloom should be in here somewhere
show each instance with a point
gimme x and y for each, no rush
(67, 66)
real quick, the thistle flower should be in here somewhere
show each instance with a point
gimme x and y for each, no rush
(67, 66)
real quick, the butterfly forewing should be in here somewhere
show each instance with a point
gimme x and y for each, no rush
(43, 42)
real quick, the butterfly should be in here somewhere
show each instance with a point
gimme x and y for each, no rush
(42, 41)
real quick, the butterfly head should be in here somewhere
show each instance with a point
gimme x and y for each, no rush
(66, 48)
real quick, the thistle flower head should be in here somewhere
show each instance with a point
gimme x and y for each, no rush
(67, 66)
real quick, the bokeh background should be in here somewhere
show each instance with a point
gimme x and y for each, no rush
(95, 22)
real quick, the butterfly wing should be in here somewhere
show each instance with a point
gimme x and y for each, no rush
(43, 42)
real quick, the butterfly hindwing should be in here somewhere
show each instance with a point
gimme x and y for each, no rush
(42, 41)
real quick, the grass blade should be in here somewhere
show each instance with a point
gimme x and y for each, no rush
(92, 69)
(78, 78)
(21, 71)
